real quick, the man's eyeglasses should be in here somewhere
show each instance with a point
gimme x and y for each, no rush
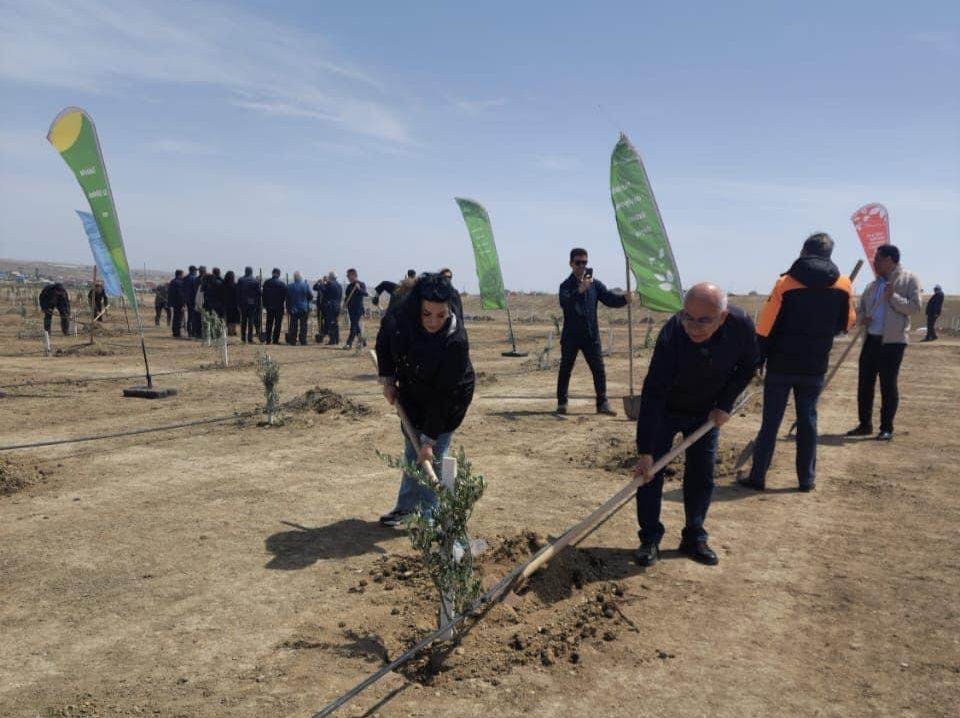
(701, 321)
(580, 262)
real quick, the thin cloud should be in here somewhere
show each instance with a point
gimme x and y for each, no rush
(171, 146)
(478, 107)
(557, 163)
(259, 65)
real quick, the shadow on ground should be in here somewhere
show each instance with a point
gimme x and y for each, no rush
(303, 547)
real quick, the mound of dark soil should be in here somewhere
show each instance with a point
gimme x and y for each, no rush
(86, 350)
(324, 401)
(16, 475)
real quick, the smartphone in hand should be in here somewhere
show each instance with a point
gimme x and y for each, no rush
(588, 273)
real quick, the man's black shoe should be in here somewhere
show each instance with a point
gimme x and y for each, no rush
(699, 551)
(885, 436)
(604, 408)
(561, 408)
(647, 554)
(747, 483)
(860, 430)
(807, 488)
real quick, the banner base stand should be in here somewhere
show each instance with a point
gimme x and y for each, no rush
(514, 354)
(148, 392)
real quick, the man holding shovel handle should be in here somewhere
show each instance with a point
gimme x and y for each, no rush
(704, 358)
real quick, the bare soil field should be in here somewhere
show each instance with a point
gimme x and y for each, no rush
(235, 569)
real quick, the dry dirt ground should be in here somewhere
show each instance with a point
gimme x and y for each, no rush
(233, 569)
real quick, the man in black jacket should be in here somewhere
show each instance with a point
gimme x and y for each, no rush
(177, 297)
(55, 296)
(332, 297)
(191, 285)
(356, 291)
(579, 295)
(704, 357)
(809, 305)
(934, 308)
(248, 299)
(212, 288)
(274, 297)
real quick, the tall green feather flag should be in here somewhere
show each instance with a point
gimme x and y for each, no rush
(477, 220)
(74, 136)
(642, 233)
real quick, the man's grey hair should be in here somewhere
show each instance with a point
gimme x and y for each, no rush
(297, 276)
(331, 274)
(707, 292)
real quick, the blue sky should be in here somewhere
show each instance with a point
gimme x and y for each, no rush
(313, 135)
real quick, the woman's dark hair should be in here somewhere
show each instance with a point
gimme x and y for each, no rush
(889, 250)
(429, 287)
(818, 245)
(229, 277)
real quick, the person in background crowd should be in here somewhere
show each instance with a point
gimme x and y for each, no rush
(579, 294)
(97, 296)
(934, 308)
(456, 302)
(212, 288)
(177, 299)
(885, 308)
(319, 287)
(424, 363)
(809, 305)
(248, 305)
(356, 291)
(55, 296)
(299, 297)
(274, 298)
(230, 300)
(161, 303)
(332, 297)
(191, 287)
(704, 357)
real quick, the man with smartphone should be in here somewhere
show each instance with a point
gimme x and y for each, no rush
(579, 295)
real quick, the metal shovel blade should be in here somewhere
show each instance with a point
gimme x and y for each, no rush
(631, 407)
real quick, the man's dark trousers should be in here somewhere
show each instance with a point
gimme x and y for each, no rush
(697, 480)
(883, 360)
(64, 322)
(194, 328)
(931, 327)
(332, 316)
(274, 320)
(177, 320)
(298, 327)
(248, 320)
(354, 329)
(590, 346)
(776, 391)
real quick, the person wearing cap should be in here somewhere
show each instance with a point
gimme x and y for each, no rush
(885, 308)
(934, 308)
(810, 304)
(704, 357)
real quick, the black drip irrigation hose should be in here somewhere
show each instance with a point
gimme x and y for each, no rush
(132, 432)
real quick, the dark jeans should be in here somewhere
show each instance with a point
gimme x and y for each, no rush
(249, 318)
(177, 320)
(569, 346)
(697, 480)
(160, 309)
(355, 329)
(931, 328)
(883, 360)
(297, 329)
(194, 323)
(331, 314)
(64, 322)
(271, 334)
(776, 391)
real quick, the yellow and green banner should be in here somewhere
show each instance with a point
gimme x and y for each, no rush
(492, 295)
(74, 136)
(642, 232)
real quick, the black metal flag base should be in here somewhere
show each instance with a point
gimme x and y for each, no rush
(513, 354)
(149, 392)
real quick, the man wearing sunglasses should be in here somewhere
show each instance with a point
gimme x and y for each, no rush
(704, 357)
(579, 295)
